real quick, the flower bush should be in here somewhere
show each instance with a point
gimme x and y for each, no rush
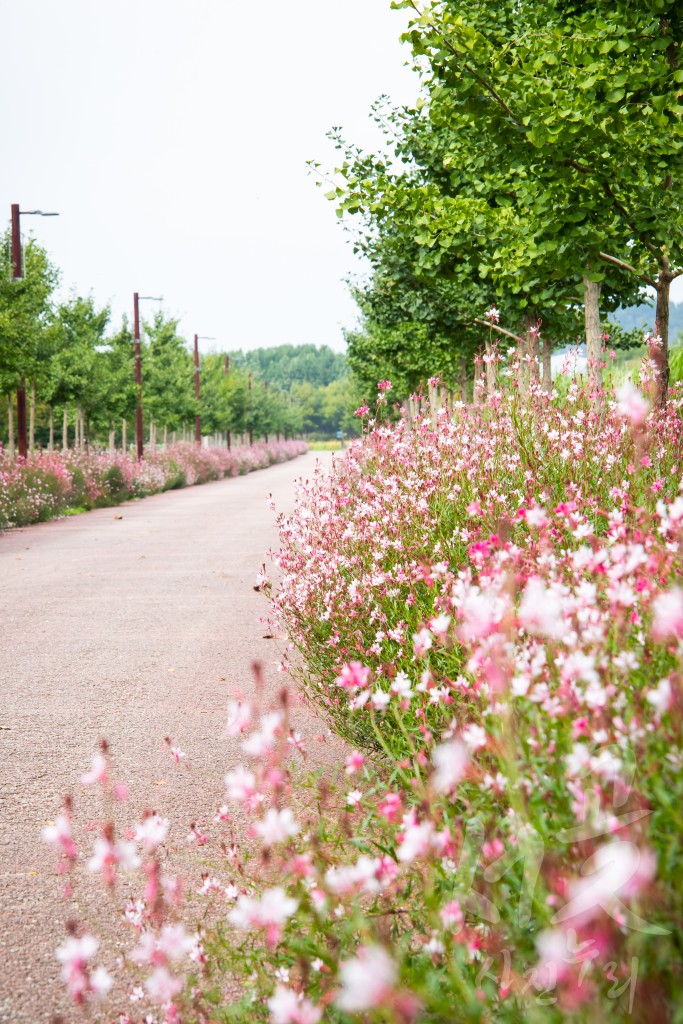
(48, 484)
(488, 608)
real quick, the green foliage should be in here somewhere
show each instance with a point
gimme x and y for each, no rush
(284, 365)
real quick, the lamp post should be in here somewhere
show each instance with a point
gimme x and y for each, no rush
(198, 419)
(138, 369)
(251, 410)
(227, 374)
(17, 274)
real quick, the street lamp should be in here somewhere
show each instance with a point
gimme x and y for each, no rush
(138, 368)
(227, 374)
(198, 419)
(17, 274)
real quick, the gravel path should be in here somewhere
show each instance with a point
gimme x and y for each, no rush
(131, 624)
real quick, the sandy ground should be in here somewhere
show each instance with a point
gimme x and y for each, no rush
(132, 624)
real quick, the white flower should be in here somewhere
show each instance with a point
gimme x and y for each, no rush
(277, 826)
(287, 1007)
(450, 762)
(541, 611)
(660, 697)
(367, 980)
(631, 404)
(152, 832)
(474, 736)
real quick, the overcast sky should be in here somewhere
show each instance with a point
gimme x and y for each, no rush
(172, 138)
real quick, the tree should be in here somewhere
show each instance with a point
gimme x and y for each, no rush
(167, 375)
(587, 99)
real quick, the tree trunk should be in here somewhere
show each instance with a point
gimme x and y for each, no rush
(65, 430)
(463, 379)
(660, 353)
(593, 342)
(124, 439)
(10, 423)
(476, 396)
(531, 337)
(490, 368)
(165, 438)
(51, 443)
(547, 351)
(32, 419)
(112, 442)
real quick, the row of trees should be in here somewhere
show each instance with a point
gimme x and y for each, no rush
(539, 172)
(80, 374)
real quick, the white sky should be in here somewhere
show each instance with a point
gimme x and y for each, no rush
(172, 137)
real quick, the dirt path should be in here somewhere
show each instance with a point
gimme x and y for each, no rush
(130, 628)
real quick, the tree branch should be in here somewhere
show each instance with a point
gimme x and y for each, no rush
(627, 266)
(501, 330)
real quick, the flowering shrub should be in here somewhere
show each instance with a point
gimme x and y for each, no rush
(487, 607)
(47, 484)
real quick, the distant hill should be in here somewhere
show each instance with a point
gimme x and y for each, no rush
(644, 316)
(284, 365)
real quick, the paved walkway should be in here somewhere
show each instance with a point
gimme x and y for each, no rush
(130, 628)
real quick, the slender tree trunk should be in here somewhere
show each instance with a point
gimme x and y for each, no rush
(51, 443)
(65, 430)
(490, 368)
(173, 437)
(476, 396)
(532, 353)
(32, 419)
(165, 438)
(10, 423)
(660, 353)
(124, 438)
(463, 379)
(112, 442)
(593, 342)
(547, 351)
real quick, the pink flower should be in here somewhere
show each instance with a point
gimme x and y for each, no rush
(152, 832)
(74, 955)
(276, 827)
(391, 806)
(162, 986)
(492, 315)
(541, 611)
(474, 736)
(667, 611)
(107, 856)
(97, 773)
(617, 870)
(354, 762)
(59, 836)
(384, 385)
(270, 912)
(366, 981)
(451, 914)
(422, 641)
(241, 785)
(660, 697)
(362, 411)
(260, 743)
(450, 762)
(239, 716)
(353, 676)
(415, 841)
(631, 404)
(287, 1007)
